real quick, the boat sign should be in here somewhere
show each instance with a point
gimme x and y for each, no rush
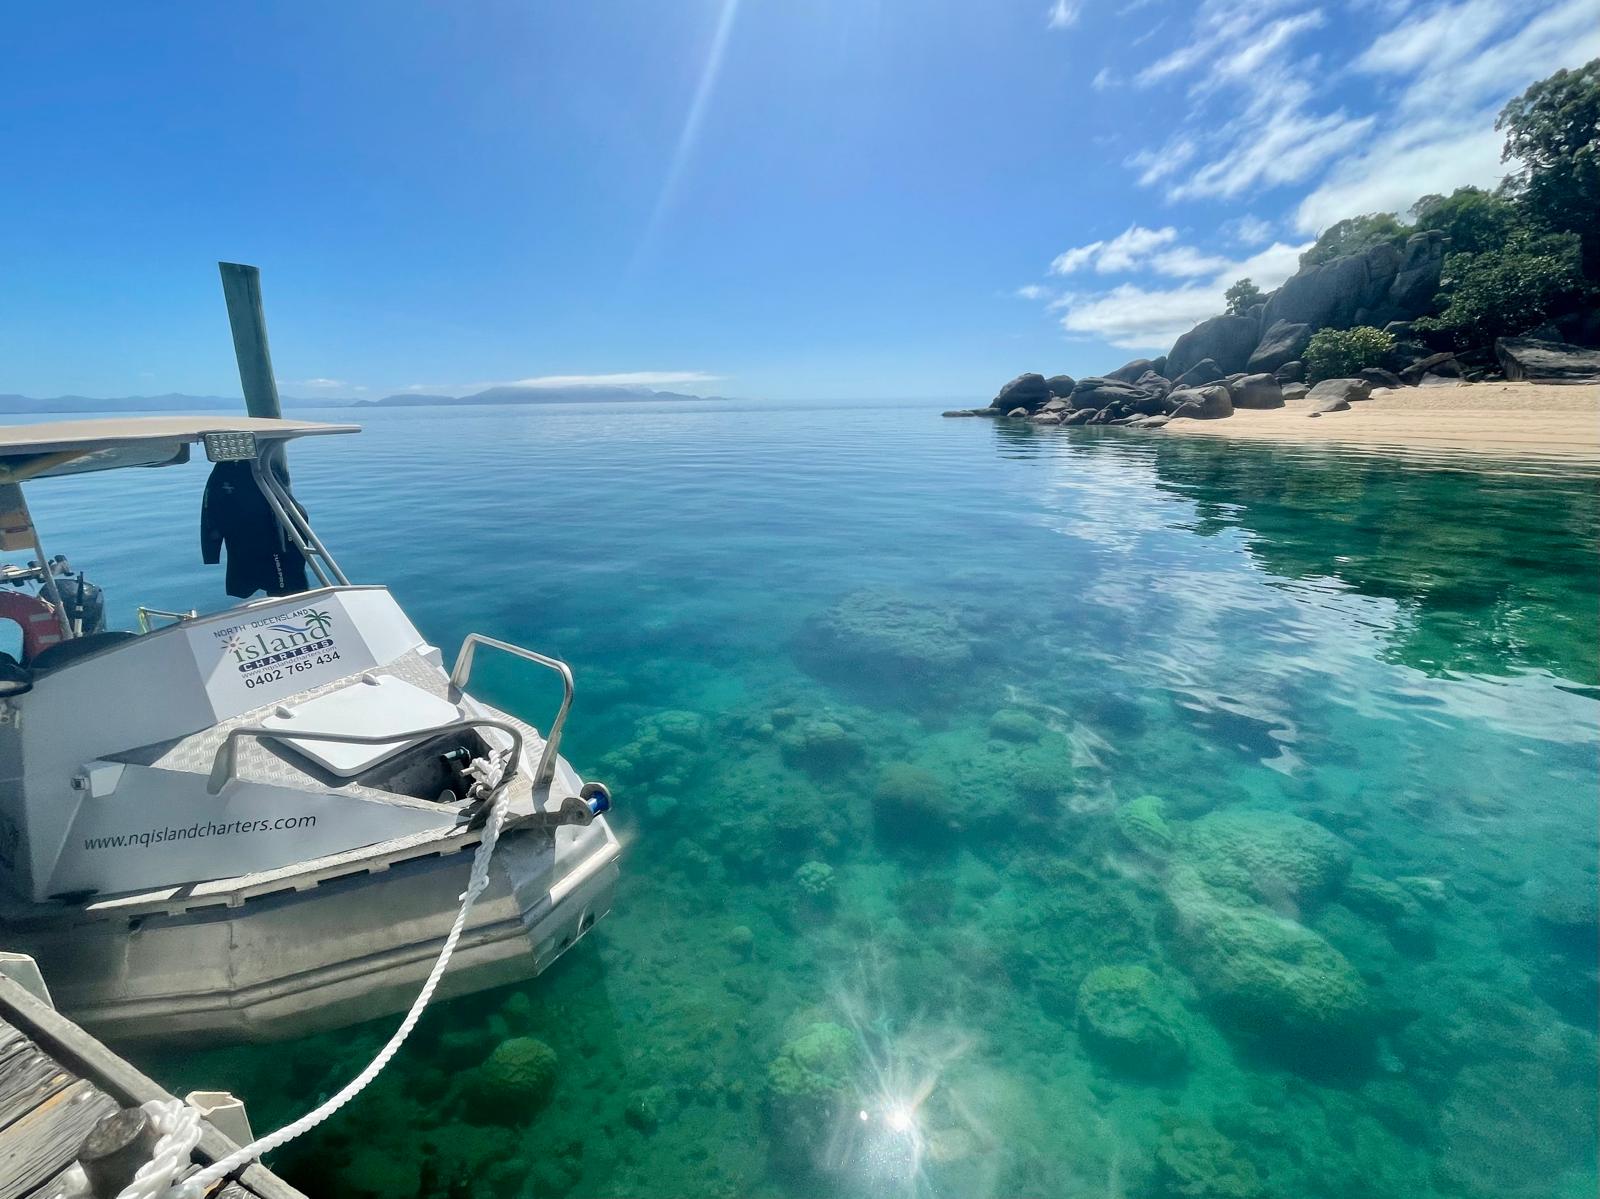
(280, 651)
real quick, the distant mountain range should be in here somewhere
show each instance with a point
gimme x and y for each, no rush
(171, 402)
(532, 395)
(175, 402)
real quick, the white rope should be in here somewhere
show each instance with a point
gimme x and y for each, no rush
(179, 1126)
(194, 1186)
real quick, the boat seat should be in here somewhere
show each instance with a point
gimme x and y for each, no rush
(56, 656)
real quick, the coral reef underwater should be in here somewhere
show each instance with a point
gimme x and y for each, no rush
(1168, 875)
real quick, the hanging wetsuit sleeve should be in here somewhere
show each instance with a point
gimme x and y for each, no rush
(210, 524)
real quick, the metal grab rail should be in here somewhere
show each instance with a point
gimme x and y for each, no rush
(462, 671)
(222, 765)
(162, 614)
(292, 521)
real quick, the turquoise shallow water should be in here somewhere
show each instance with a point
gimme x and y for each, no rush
(1007, 813)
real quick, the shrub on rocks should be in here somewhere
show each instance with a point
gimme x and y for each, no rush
(1341, 353)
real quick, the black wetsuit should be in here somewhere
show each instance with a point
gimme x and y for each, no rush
(260, 555)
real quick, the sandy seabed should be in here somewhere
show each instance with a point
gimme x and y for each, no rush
(1497, 419)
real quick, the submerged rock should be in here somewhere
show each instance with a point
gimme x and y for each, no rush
(810, 1084)
(1130, 1023)
(815, 880)
(1142, 823)
(1013, 724)
(1267, 977)
(887, 639)
(1195, 1161)
(515, 1081)
(820, 746)
(913, 806)
(1267, 855)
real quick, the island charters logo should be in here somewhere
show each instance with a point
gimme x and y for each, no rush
(274, 640)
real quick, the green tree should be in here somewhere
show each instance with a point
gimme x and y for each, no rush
(1553, 133)
(1353, 235)
(1508, 290)
(1341, 353)
(1473, 219)
(1242, 296)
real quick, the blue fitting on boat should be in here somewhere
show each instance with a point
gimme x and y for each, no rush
(597, 797)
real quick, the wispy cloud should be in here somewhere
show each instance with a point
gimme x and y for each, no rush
(618, 379)
(1248, 230)
(1143, 317)
(1449, 69)
(1031, 291)
(1410, 111)
(1064, 13)
(1104, 78)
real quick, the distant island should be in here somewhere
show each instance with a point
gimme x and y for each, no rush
(533, 395)
(178, 402)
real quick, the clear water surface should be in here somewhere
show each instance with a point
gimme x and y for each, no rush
(1007, 812)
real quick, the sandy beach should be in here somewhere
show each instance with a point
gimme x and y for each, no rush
(1499, 419)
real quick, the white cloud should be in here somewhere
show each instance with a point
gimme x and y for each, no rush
(1137, 319)
(1064, 13)
(1155, 165)
(1454, 66)
(320, 384)
(1186, 262)
(1131, 248)
(620, 379)
(1032, 291)
(1104, 78)
(1248, 230)
(1141, 318)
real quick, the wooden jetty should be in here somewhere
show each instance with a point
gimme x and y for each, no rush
(57, 1084)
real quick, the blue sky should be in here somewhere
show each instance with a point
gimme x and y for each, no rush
(828, 198)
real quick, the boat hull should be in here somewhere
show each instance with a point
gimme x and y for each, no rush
(336, 953)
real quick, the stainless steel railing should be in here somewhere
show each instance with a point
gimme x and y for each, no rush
(462, 671)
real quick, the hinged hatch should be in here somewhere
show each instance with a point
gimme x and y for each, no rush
(371, 706)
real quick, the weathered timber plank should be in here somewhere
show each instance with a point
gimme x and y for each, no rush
(46, 1140)
(81, 1054)
(27, 1079)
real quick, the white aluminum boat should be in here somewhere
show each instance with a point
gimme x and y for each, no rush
(258, 823)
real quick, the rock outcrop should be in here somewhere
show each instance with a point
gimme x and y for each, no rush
(1347, 390)
(1284, 341)
(1226, 340)
(1203, 372)
(1028, 392)
(1202, 403)
(1537, 361)
(1256, 391)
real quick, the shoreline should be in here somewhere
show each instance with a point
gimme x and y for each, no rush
(1536, 420)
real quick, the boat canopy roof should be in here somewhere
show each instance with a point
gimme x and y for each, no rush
(78, 446)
